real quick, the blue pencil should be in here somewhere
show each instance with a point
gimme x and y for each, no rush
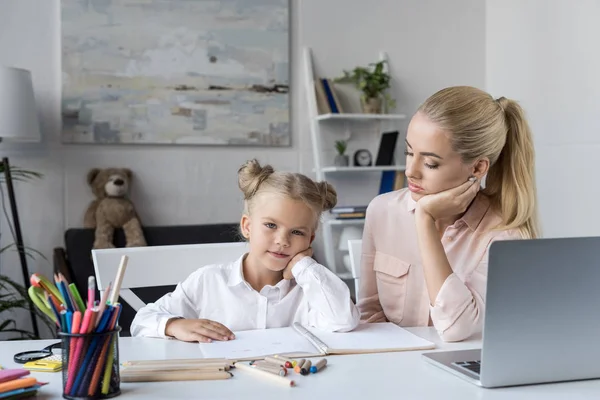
(65, 294)
(55, 311)
(68, 319)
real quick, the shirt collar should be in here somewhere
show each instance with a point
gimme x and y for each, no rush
(476, 211)
(236, 276)
(474, 215)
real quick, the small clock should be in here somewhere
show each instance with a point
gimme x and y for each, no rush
(363, 158)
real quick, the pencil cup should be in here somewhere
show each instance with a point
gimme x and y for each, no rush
(91, 365)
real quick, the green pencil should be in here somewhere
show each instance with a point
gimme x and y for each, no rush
(77, 297)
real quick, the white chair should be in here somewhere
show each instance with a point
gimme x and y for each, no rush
(159, 265)
(355, 250)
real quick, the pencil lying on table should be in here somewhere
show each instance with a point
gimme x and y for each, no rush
(157, 376)
(180, 367)
(179, 361)
(265, 374)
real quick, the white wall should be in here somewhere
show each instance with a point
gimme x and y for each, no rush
(430, 44)
(543, 54)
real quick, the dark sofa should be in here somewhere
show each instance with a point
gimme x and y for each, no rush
(75, 262)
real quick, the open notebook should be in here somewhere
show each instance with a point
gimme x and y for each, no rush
(300, 341)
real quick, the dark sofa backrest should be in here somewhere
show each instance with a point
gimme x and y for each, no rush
(79, 241)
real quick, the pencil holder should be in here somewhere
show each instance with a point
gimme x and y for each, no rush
(91, 365)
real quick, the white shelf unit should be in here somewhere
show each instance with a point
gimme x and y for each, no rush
(323, 172)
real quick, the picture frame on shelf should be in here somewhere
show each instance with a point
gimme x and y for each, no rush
(387, 148)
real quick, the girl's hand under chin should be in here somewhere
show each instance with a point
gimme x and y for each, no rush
(450, 202)
(287, 272)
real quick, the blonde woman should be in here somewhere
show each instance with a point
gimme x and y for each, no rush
(424, 255)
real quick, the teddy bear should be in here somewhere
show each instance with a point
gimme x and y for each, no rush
(112, 208)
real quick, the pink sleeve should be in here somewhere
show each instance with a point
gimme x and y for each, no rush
(460, 305)
(368, 305)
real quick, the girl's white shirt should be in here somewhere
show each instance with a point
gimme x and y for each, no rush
(316, 297)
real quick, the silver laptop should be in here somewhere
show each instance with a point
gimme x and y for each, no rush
(542, 316)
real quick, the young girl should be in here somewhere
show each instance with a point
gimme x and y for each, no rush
(424, 256)
(275, 284)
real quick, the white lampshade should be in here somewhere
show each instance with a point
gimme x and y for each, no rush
(18, 111)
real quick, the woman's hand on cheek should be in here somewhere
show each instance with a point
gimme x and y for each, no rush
(287, 272)
(449, 202)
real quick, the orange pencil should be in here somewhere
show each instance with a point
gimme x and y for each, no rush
(17, 384)
(73, 342)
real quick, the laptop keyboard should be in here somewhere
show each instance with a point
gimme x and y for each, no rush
(472, 366)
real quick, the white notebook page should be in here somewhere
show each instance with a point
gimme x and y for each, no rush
(376, 336)
(258, 343)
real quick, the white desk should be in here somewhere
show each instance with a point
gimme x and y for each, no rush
(402, 375)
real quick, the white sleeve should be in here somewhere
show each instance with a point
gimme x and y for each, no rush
(329, 304)
(151, 319)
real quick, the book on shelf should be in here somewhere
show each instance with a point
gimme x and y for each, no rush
(348, 209)
(327, 98)
(391, 181)
(356, 215)
(322, 103)
(300, 341)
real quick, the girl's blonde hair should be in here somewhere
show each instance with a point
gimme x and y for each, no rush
(481, 126)
(254, 179)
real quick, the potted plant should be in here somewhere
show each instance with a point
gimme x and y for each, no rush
(341, 159)
(13, 295)
(373, 82)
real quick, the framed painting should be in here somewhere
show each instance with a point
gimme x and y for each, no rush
(176, 72)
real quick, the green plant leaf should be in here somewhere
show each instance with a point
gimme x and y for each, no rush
(14, 296)
(29, 251)
(12, 304)
(372, 81)
(340, 146)
(5, 324)
(24, 334)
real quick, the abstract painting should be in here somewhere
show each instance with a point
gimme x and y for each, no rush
(176, 72)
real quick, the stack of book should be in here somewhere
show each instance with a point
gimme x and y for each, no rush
(349, 212)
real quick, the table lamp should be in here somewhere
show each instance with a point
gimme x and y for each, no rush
(18, 123)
